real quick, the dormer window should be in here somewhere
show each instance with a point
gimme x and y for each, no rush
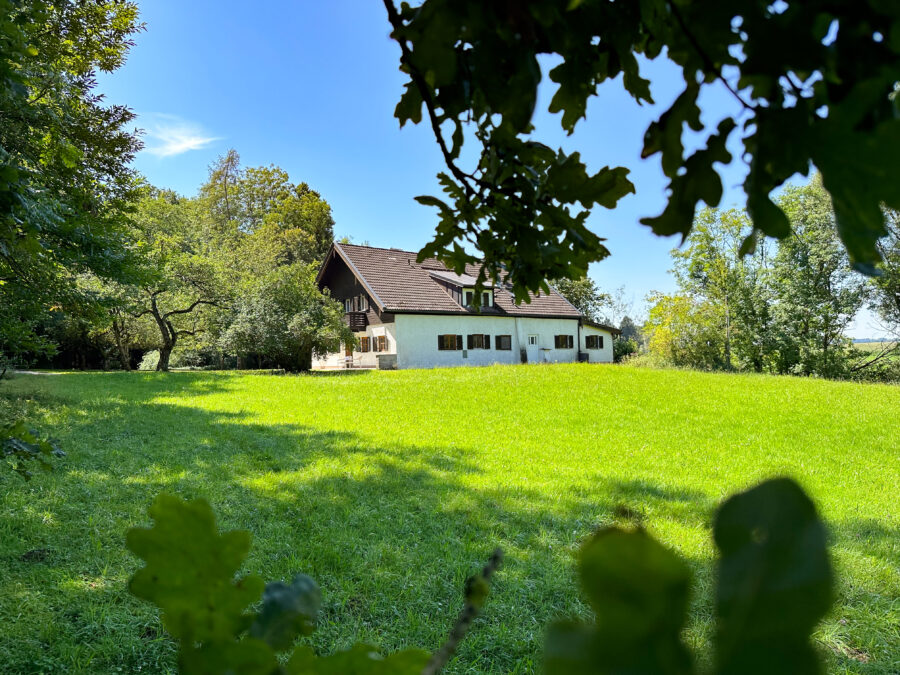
(487, 298)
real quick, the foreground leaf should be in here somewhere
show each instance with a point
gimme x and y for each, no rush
(287, 611)
(190, 570)
(639, 592)
(358, 660)
(774, 582)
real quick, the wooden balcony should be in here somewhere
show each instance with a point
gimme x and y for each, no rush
(356, 320)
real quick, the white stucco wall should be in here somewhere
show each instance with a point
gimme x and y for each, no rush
(362, 359)
(604, 355)
(417, 340)
(413, 338)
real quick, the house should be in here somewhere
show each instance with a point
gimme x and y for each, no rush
(407, 314)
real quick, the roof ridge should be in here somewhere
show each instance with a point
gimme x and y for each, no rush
(380, 248)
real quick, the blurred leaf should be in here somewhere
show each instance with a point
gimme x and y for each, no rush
(287, 611)
(774, 581)
(358, 660)
(21, 446)
(247, 657)
(190, 571)
(639, 592)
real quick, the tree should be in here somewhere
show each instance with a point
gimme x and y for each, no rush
(259, 215)
(180, 280)
(813, 80)
(65, 184)
(630, 330)
(683, 331)
(712, 268)
(286, 318)
(817, 292)
(885, 300)
(584, 295)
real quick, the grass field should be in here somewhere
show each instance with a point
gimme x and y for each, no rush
(390, 488)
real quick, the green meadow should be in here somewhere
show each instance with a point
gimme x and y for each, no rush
(390, 488)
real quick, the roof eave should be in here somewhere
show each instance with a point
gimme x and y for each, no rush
(504, 315)
(602, 326)
(336, 248)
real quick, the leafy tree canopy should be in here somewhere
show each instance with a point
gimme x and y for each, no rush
(584, 295)
(285, 317)
(65, 183)
(813, 78)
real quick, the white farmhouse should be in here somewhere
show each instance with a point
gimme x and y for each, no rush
(422, 315)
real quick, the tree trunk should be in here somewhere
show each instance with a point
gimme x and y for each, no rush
(305, 361)
(727, 334)
(121, 347)
(168, 334)
(164, 354)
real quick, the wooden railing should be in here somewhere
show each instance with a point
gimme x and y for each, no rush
(357, 320)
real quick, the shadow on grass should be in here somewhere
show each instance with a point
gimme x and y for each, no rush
(390, 532)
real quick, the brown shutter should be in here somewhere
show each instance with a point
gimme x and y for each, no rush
(470, 341)
(487, 341)
(459, 342)
(440, 343)
(600, 340)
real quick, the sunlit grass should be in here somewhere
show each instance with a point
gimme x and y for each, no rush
(390, 488)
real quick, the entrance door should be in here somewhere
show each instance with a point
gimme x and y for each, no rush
(532, 349)
(348, 355)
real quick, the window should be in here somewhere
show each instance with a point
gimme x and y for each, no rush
(532, 339)
(348, 305)
(449, 343)
(468, 296)
(364, 344)
(503, 342)
(563, 342)
(486, 299)
(479, 341)
(363, 303)
(380, 343)
(593, 342)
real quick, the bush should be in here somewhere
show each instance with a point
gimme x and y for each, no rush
(623, 348)
(186, 358)
(150, 360)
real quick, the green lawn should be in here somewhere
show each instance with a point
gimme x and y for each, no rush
(390, 488)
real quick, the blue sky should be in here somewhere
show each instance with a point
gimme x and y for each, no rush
(311, 87)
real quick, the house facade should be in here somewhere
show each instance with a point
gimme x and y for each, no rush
(422, 315)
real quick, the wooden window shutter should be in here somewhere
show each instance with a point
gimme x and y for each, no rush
(459, 342)
(487, 341)
(600, 341)
(470, 341)
(440, 343)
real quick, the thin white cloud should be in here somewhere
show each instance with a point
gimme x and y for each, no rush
(169, 135)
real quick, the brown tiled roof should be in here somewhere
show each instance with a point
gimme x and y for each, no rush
(400, 284)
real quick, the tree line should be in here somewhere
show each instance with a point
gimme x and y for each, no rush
(223, 278)
(784, 307)
(97, 266)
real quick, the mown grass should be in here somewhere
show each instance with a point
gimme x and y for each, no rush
(390, 488)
